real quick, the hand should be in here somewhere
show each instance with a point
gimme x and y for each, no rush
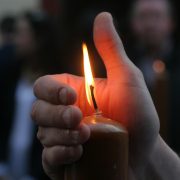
(123, 97)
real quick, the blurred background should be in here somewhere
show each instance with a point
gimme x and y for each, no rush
(39, 37)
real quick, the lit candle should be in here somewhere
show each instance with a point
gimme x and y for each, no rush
(105, 154)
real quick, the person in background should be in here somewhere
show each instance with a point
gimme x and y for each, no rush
(7, 32)
(37, 49)
(9, 70)
(156, 53)
(152, 26)
(7, 51)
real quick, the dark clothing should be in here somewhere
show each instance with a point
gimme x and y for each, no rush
(171, 58)
(175, 120)
(9, 75)
(9, 72)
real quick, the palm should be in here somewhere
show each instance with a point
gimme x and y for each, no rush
(125, 100)
(122, 99)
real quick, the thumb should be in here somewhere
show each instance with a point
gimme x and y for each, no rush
(109, 45)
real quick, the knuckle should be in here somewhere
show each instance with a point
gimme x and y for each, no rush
(75, 137)
(70, 137)
(66, 133)
(74, 152)
(65, 150)
(61, 155)
(56, 116)
(51, 157)
(54, 157)
(76, 114)
(61, 114)
(34, 110)
(69, 153)
(54, 94)
(46, 158)
(40, 134)
(84, 133)
(36, 87)
(37, 84)
(67, 116)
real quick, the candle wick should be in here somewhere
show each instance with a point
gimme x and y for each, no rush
(93, 98)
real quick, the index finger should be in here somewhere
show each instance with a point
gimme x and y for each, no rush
(49, 89)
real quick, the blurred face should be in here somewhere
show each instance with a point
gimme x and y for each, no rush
(151, 22)
(24, 38)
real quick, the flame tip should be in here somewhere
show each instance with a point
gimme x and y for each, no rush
(89, 81)
(84, 47)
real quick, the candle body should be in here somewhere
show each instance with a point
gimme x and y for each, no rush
(105, 154)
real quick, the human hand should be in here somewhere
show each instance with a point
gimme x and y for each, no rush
(123, 97)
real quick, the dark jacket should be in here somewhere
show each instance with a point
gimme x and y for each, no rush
(9, 75)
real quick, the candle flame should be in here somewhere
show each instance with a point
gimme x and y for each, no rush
(89, 80)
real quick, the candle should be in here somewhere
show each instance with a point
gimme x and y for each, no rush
(105, 154)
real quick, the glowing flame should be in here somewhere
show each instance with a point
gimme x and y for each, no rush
(89, 80)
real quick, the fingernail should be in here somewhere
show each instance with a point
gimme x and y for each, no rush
(63, 95)
(67, 115)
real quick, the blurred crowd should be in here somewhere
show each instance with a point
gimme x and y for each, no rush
(29, 49)
(154, 48)
(34, 44)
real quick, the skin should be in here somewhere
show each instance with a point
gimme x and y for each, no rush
(25, 41)
(152, 22)
(123, 96)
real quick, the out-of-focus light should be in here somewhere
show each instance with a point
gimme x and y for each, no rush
(159, 66)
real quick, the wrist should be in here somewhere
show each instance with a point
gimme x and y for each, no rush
(162, 163)
(151, 169)
(141, 168)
